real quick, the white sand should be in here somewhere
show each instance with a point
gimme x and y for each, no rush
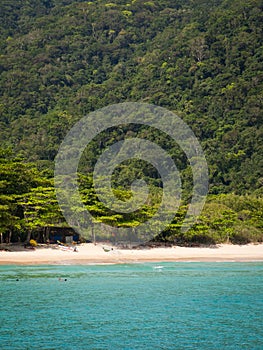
(91, 254)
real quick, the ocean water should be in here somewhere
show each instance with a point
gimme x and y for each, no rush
(140, 306)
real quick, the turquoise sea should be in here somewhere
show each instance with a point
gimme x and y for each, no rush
(140, 306)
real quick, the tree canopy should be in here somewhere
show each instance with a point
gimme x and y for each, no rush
(62, 59)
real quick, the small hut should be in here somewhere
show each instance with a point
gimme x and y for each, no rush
(62, 234)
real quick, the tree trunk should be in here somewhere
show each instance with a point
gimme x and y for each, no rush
(9, 236)
(47, 233)
(28, 236)
(93, 234)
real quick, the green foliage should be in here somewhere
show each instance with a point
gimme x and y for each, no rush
(62, 59)
(25, 209)
(27, 198)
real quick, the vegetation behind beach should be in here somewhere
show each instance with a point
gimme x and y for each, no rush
(61, 59)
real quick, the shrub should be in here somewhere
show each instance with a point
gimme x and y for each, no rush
(33, 243)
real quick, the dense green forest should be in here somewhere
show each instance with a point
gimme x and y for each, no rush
(203, 60)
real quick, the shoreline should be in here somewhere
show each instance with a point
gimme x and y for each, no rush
(90, 254)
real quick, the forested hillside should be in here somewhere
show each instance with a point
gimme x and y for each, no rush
(61, 59)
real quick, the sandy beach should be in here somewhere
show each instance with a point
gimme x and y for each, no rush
(104, 254)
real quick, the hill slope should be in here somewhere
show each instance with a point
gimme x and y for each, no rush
(61, 59)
